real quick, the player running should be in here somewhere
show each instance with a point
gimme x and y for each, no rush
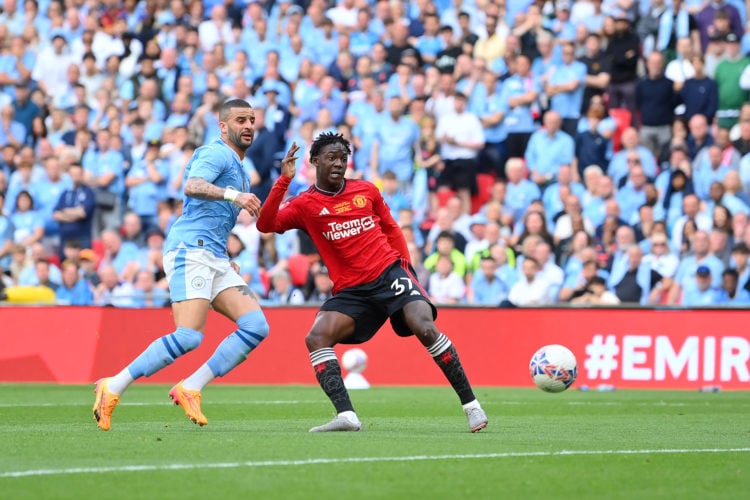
(199, 272)
(368, 261)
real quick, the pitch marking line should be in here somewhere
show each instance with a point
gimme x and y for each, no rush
(354, 460)
(167, 403)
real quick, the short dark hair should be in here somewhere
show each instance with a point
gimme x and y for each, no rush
(445, 235)
(326, 138)
(232, 103)
(731, 272)
(597, 280)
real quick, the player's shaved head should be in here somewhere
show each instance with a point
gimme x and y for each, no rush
(226, 108)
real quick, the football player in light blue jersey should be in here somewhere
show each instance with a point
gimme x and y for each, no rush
(199, 272)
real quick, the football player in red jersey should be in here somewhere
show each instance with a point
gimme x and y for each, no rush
(369, 263)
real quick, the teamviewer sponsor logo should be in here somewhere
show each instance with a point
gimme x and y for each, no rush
(342, 230)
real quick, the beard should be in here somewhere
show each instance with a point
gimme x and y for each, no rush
(236, 139)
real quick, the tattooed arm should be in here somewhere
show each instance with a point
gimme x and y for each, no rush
(197, 187)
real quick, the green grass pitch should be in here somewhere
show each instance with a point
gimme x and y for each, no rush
(415, 444)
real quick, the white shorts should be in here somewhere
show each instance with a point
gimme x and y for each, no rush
(198, 274)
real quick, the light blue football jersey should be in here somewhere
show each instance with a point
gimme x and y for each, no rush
(206, 224)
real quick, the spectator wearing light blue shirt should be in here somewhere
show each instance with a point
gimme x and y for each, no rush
(11, 131)
(121, 255)
(325, 43)
(368, 116)
(394, 198)
(561, 25)
(708, 168)
(6, 235)
(291, 57)
(700, 291)
(732, 292)
(520, 192)
(28, 224)
(631, 152)
(395, 145)
(492, 109)
(248, 264)
(631, 278)
(146, 184)
(47, 192)
(430, 42)
(701, 257)
(328, 97)
(146, 293)
(520, 91)
(549, 149)
(401, 82)
(74, 290)
(362, 38)
(719, 197)
(565, 87)
(486, 287)
(632, 195)
(105, 174)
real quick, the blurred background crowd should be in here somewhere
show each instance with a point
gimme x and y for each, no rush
(533, 152)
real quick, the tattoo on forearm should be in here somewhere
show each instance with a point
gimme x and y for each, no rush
(196, 187)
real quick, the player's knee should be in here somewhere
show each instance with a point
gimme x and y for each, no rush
(187, 338)
(254, 325)
(316, 340)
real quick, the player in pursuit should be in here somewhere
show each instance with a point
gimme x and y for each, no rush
(200, 274)
(368, 261)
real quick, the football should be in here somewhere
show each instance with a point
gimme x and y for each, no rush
(553, 368)
(354, 360)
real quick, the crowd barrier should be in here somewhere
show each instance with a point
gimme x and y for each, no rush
(624, 348)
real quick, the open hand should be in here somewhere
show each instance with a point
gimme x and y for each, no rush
(288, 164)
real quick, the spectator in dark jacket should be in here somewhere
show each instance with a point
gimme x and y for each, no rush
(700, 93)
(656, 100)
(262, 154)
(623, 50)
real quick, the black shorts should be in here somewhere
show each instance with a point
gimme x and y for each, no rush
(374, 302)
(459, 174)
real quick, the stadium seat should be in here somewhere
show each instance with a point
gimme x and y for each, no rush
(98, 247)
(484, 188)
(299, 267)
(265, 278)
(623, 118)
(443, 195)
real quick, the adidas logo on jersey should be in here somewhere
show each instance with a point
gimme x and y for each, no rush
(324, 211)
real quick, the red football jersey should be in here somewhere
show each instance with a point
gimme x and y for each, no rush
(353, 230)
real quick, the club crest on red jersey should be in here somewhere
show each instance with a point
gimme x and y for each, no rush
(359, 201)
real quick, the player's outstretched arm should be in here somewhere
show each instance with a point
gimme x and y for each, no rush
(197, 187)
(267, 220)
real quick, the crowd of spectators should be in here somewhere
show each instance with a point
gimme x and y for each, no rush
(534, 152)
